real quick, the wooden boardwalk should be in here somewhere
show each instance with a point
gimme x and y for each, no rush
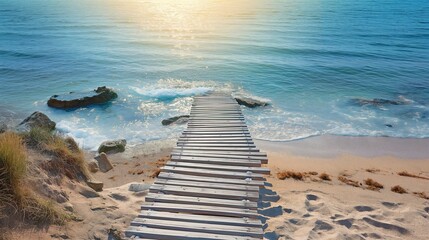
(210, 187)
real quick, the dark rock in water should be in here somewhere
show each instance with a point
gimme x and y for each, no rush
(389, 125)
(37, 119)
(76, 100)
(178, 120)
(377, 102)
(112, 146)
(251, 103)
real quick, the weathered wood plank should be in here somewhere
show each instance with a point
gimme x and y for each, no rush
(205, 210)
(220, 141)
(204, 192)
(213, 173)
(247, 155)
(224, 186)
(188, 144)
(186, 177)
(199, 227)
(164, 234)
(224, 149)
(219, 161)
(220, 167)
(231, 221)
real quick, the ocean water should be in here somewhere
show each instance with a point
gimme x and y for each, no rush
(309, 58)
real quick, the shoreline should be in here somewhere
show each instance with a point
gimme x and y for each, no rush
(328, 146)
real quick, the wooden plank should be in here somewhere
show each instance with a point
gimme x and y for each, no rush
(231, 221)
(167, 198)
(163, 234)
(220, 141)
(223, 161)
(215, 136)
(212, 173)
(185, 177)
(235, 145)
(248, 155)
(224, 149)
(204, 192)
(220, 167)
(224, 186)
(234, 138)
(199, 227)
(204, 210)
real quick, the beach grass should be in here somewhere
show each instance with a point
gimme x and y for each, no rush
(373, 185)
(16, 196)
(325, 177)
(407, 174)
(398, 189)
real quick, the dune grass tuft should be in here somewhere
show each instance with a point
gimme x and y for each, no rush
(15, 196)
(325, 177)
(290, 174)
(373, 185)
(398, 189)
(407, 174)
(348, 181)
(68, 158)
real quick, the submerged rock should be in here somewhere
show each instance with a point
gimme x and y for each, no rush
(112, 146)
(104, 163)
(82, 99)
(37, 119)
(377, 102)
(178, 120)
(250, 102)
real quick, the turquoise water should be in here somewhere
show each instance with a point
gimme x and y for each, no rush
(309, 58)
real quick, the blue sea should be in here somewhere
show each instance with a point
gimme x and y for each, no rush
(311, 59)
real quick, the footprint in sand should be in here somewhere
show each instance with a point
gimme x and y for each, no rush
(364, 208)
(320, 225)
(386, 226)
(311, 197)
(391, 205)
(427, 209)
(348, 223)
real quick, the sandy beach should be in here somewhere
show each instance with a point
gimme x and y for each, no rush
(312, 208)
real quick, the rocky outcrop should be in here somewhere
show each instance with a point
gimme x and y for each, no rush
(177, 120)
(37, 119)
(93, 166)
(250, 102)
(96, 185)
(378, 102)
(112, 146)
(82, 99)
(104, 163)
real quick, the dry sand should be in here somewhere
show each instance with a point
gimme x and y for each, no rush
(316, 209)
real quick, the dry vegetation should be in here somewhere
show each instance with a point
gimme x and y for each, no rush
(373, 170)
(17, 199)
(407, 174)
(373, 185)
(290, 174)
(422, 195)
(398, 189)
(325, 177)
(67, 159)
(348, 181)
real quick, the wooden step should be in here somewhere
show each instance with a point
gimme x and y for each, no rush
(213, 173)
(186, 177)
(203, 210)
(204, 192)
(219, 161)
(183, 217)
(225, 186)
(167, 198)
(220, 167)
(198, 227)
(163, 234)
